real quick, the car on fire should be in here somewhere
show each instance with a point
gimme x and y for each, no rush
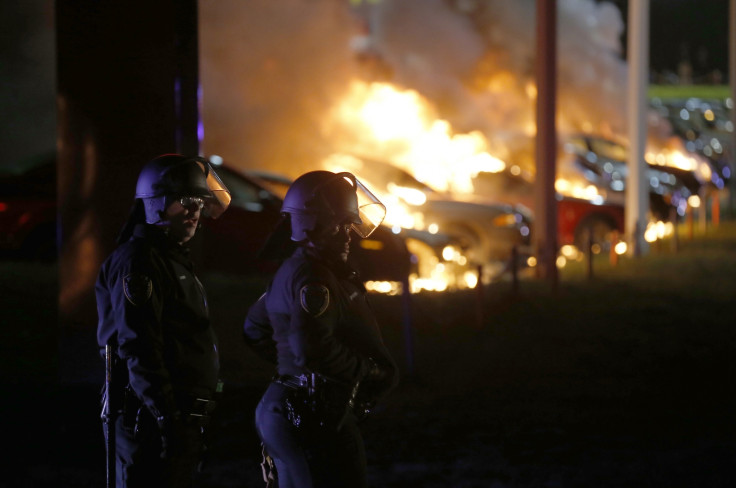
(473, 232)
(437, 258)
(234, 241)
(590, 189)
(602, 163)
(487, 230)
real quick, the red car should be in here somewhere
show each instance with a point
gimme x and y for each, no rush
(28, 213)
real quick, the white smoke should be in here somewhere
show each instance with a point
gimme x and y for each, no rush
(272, 70)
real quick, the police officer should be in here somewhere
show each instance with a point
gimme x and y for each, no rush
(153, 316)
(315, 322)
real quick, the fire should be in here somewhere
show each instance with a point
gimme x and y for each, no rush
(403, 127)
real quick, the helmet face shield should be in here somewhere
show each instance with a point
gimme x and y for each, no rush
(173, 176)
(220, 197)
(371, 211)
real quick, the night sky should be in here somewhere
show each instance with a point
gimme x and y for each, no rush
(696, 30)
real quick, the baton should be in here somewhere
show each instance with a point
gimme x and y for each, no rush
(108, 420)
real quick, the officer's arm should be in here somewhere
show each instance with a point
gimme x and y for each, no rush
(258, 332)
(138, 304)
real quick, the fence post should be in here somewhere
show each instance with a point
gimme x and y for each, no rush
(515, 270)
(612, 255)
(589, 252)
(407, 326)
(479, 298)
(715, 211)
(675, 231)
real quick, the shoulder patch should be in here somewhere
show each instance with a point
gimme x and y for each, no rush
(315, 299)
(137, 288)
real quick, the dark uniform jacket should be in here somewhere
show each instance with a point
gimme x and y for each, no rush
(153, 310)
(315, 317)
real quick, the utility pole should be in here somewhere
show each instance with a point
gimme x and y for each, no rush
(637, 186)
(732, 81)
(545, 220)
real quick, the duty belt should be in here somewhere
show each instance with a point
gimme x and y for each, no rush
(315, 383)
(194, 406)
(291, 381)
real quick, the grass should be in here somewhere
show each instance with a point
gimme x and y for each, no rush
(720, 92)
(625, 379)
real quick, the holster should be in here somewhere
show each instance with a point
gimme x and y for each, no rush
(316, 401)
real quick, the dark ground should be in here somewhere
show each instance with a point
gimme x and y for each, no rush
(623, 381)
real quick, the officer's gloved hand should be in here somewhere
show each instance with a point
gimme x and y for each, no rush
(171, 428)
(377, 373)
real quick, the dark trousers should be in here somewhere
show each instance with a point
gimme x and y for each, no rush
(139, 462)
(309, 457)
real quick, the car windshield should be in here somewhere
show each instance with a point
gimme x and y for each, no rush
(245, 194)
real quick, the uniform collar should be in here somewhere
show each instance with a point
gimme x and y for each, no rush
(341, 270)
(159, 238)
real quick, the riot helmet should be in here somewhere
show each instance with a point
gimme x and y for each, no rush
(323, 198)
(172, 176)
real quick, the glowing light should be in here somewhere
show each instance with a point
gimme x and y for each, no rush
(531, 261)
(3, 206)
(471, 279)
(709, 115)
(561, 262)
(448, 253)
(693, 201)
(650, 235)
(433, 228)
(569, 251)
(578, 190)
(386, 287)
(216, 160)
(515, 170)
(412, 196)
(620, 248)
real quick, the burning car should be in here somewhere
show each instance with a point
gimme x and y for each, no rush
(438, 260)
(486, 230)
(602, 165)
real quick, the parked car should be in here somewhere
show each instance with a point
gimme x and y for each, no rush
(232, 243)
(486, 230)
(706, 128)
(438, 259)
(28, 212)
(603, 164)
(590, 184)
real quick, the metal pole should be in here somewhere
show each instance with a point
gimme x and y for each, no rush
(407, 326)
(612, 255)
(637, 185)
(589, 252)
(732, 81)
(515, 270)
(546, 144)
(108, 419)
(479, 298)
